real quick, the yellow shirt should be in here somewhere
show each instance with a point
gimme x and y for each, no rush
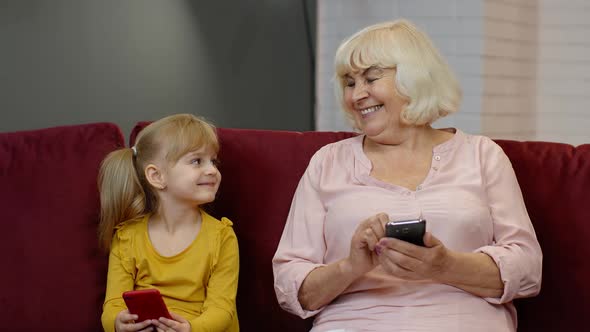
(199, 283)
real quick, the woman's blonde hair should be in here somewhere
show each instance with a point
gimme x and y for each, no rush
(422, 75)
(125, 193)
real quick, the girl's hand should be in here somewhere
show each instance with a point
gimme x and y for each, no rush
(407, 261)
(177, 324)
(125, 322)
(362, 257)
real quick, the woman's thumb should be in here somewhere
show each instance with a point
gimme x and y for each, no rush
(430, 241)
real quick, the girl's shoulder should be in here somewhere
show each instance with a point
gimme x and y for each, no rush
(218, 229)
(127, 234)
(129, 228)
(216, 223)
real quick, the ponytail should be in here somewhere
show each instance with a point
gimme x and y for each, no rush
(121, 194)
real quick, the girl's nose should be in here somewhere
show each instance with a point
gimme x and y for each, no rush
(211, 168)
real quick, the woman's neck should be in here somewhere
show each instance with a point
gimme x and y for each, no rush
(411, 139)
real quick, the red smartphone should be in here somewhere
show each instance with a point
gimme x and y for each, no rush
(146, 303)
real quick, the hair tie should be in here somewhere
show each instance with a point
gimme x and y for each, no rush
(134, 149)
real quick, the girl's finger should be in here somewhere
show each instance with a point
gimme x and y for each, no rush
(178, 317)
(126, 317)
(160, 325)
(147, 329)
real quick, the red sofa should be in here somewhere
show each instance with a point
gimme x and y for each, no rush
(53, 274)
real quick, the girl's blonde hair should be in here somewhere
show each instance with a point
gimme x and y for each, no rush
(422, 75)
(125, 193)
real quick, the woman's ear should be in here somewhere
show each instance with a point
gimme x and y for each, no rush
(155, 176)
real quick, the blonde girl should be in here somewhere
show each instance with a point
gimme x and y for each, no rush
(158, 235)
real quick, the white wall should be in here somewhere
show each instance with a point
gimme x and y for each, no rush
(523, 64)
(455, 27)
(563, 99)
(509, 69)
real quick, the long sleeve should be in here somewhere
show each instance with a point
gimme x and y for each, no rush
(119, 279)
(219, 308)
(516, 250)
(302, 246)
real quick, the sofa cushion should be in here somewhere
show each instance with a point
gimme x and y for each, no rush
(555, 182)
(53, 275)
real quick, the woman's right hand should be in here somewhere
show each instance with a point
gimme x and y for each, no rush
(362, 257)
(125, 322)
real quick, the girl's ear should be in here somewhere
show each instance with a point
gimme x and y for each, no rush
(155, 176)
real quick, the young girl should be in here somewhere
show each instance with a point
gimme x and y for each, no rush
(158, 235)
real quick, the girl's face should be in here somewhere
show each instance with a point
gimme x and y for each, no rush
(371, 98)
(194, 178)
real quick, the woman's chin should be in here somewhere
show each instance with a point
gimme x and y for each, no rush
(372, 130)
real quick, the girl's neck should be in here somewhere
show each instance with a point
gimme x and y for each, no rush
(175, 218)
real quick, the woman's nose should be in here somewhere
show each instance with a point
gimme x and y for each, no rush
(359, 92)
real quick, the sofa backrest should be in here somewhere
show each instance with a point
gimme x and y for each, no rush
(555, 181)
(53, 275)
(261, 169)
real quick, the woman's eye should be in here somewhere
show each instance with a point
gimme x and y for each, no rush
(350, 84)
(196, 161)
(372, 79)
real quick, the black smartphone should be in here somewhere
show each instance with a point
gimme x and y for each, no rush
(407, 230)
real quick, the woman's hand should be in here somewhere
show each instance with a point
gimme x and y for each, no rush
(176, 324)
(323, 284)
(476, 273)
(362, 257)
(407, 261)
(125, 322)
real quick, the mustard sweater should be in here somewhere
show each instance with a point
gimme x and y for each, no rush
(200, 283)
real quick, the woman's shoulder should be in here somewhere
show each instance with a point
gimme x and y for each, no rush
(474, 140)
(484, 146)
(346, 143)
(343, 148)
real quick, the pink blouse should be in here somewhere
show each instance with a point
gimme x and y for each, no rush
(472, 203)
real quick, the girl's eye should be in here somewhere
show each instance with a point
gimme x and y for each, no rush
(215, 162)
(196, 161)
(350, 84)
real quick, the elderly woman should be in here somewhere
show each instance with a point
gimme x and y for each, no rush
(480, 250)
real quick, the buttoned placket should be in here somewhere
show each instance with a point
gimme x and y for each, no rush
(436, 162)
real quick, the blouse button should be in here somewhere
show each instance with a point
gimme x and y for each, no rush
(437, 158)
(419, 188)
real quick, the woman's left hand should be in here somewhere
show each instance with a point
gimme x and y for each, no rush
(411, 262)
(177, 324)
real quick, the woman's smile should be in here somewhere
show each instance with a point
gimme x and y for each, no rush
(369, 110)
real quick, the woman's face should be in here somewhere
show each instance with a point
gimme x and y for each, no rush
(370, 96)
